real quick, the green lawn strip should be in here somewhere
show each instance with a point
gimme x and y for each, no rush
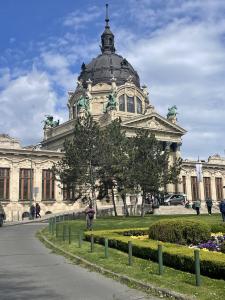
(145, 271)
(132, 222)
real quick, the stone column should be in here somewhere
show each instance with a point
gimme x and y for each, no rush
(14, 193)
(188, 187)
(213, 188)
(14, 183)
(38, 183)
(201, 190)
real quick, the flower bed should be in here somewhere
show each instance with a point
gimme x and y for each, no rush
(177, 256)
(214, 244)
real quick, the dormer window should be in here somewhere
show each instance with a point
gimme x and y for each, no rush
(139, 106)
(122, 103)
(130, 104)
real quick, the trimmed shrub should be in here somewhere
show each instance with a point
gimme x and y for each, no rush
(183, 232)
(135, 232)
(175, 256)
(218, 228)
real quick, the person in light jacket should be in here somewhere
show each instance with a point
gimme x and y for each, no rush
(197, 206)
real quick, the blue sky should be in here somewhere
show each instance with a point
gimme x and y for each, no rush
(177, 47)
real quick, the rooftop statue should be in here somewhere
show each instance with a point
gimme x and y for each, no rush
(49, 122)
(83, 103)
(111, 104)
(172, 112)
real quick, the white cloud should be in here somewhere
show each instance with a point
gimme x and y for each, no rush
(23, 104)
(184, 64)
(55, 60)
(79, 19)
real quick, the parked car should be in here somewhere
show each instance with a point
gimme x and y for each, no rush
(174, 199)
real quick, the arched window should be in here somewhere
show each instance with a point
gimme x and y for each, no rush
(139, 106)
(122, 103)
(130, 104)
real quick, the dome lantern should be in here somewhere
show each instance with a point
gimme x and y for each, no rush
(107, 37)
(108, 64)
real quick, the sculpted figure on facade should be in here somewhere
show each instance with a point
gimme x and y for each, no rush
(111, 104)
(172, 112)
(49, 122)
(83, 103)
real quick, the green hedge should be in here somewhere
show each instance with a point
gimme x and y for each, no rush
(218, 228)
(183, 232)
(176, 256)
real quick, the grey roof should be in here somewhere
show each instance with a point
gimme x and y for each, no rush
(105, 66)
(108, 64)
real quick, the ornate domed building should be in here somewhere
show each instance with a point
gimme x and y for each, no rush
(108, 88)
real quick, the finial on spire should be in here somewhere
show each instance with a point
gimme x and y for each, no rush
(106, 15)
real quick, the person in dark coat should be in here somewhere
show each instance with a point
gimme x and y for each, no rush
(222, 209)
(2, 215)
(38, 209)
(209, 205)
(32, 211)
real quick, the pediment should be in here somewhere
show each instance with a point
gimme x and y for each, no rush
(154, 122)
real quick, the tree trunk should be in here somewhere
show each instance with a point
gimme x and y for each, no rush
(113, 201)
(125, 204)
(143, 204)
(93, 200)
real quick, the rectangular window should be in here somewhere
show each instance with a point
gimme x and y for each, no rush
(130, 104)
(194, 188)
(219, 189)
(207, 187)
(48, 185)
(68, 193)
(184, 184)
(122, 103)
(26, 184)
(139, 106)
(4, 184)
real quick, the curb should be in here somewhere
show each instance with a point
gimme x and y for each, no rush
(123, 278)
(24, 222)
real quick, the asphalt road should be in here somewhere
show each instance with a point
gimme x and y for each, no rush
(28, 270)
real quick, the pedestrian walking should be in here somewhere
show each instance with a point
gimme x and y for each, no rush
(32, 211)
(222, 209)
(38, 210)
(90, 212)
(2, 215)
(197, 205)
(209, 204)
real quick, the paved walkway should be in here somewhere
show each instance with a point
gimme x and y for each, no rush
(28, 270)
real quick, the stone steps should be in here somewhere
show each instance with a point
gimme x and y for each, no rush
(181, 210)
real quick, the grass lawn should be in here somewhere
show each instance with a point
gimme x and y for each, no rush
(132, 222)
(144, 270)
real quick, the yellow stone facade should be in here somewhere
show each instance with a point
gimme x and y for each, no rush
(14, 157)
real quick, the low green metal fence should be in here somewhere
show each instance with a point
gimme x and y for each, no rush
(65, 233)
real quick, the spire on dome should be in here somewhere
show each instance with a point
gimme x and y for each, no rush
(107, 36)
(107, 15)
